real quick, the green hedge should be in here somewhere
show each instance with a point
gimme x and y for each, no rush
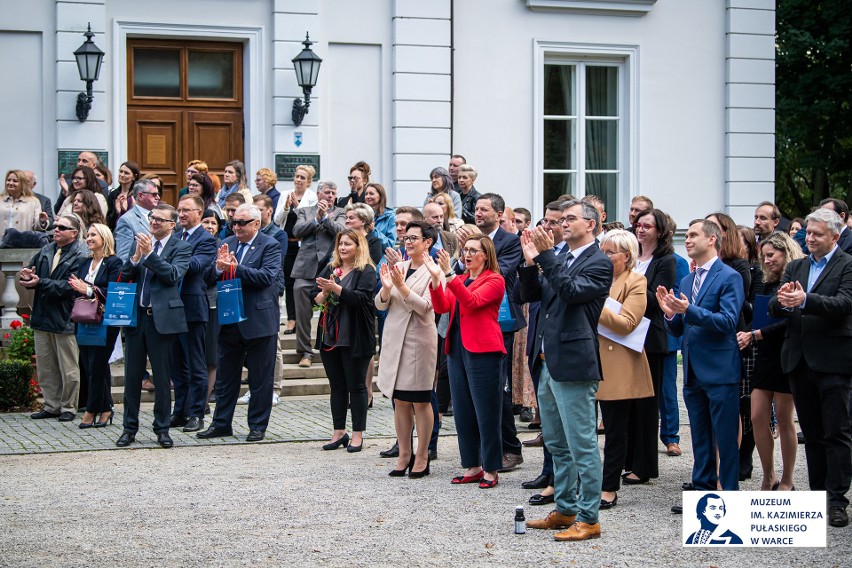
(15, 388)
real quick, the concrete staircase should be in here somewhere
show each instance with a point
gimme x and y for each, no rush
(297, 381)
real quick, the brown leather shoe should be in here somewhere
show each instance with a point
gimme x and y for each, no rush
(305, 362)
(148, 386)
(536, 442)
(673, 449)
(579, 531)
(553, 520)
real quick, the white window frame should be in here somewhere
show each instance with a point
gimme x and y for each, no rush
(626, 57)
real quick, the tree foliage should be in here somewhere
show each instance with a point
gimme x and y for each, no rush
(813, 103)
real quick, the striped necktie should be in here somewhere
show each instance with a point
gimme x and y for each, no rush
(696, 282)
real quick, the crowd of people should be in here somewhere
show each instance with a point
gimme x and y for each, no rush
(480, 312)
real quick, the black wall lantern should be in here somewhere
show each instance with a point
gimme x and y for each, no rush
(307, 66)
(89, 58)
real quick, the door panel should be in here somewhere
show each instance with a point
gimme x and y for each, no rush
(215, 137)
(156, 143)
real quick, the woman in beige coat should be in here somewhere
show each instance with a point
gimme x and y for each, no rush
(409, 348)
(626, 376)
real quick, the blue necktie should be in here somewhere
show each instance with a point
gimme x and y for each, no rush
(239, 255)
(696, 283)
(146, 284)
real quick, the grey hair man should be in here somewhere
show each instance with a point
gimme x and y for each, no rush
(146, 196)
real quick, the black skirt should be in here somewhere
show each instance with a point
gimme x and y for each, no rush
(412, 396)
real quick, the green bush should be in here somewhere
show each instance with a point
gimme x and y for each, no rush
(17, 389)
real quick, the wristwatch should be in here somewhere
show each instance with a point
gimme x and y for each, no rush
(448, 274)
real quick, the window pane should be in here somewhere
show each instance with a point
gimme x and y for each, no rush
(604, 186)
(556, 185)
(601, 144)
(559, 145)
(559, 90)
(156, 73)
(211, 74)
(601, 91)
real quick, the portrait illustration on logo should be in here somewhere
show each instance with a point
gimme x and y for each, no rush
(710, 512)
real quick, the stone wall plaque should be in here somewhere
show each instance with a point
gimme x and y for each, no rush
(285, 165)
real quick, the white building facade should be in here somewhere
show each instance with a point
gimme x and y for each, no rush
(665, 98)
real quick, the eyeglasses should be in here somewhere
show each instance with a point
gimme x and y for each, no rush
(471, 252)
(242, 222)
(572, 218)
(411, 239)
(63, 228)
(352, 178)
(77, 178)
(552, 223)
(644, 227)
(612, 252)
(158, 220)
(157, 193)
(182, 210)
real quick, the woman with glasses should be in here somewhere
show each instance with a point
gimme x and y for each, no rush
(347, 335)
(192, 168)
(120, 199)
(359, 217)
(202, 186)
(19, 208)
(359, 177)
(626, 376)
(474, 347)
(82, 178)
(656, 262)
(409, 348)
(91, 281)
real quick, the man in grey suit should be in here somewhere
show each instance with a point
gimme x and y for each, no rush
(146, 196)
(317, 226)
(157, 263)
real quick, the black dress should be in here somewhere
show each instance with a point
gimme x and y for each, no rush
(767, 366)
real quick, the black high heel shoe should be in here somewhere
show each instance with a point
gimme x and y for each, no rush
(401, 472)
(104, 423)
(342, 441)
(418, 474)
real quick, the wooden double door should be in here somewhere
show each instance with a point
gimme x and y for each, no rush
(185, 102)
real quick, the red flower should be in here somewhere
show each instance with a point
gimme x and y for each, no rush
(25, 341)
(338, 272)
(15, 324)
(25, 316)
(6, 336)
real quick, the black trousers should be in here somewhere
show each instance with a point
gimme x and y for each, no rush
(289, 299)
(443, 387)
(509, 432)
(94, 366)
(822, 405)
(643, 430)
(145, 342)
(346, 377)
(189, 371)
(259, 356)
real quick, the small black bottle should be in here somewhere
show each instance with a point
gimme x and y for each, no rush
(520, 521)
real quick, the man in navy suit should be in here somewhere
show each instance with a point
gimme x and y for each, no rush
(189, 368)
(256, 261)
(489, 209)
(157, 263)
(816, 297)
(572, 289)
(705, 314)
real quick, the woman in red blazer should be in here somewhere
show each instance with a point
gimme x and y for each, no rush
(474, 346)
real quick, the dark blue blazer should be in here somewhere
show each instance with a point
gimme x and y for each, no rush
(168, 268)
(193, 291)
(572, 299)
(258, 274)
(509, 257)
(709, 326)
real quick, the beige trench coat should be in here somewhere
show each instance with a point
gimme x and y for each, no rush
(410, 337)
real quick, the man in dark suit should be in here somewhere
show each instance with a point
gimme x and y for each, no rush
(707, 321)
(157, 263)
(189, 364)
(842, 209)
(489, 209)
(816, 297)
(317, 226)
(256, 261)
(572, 289)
